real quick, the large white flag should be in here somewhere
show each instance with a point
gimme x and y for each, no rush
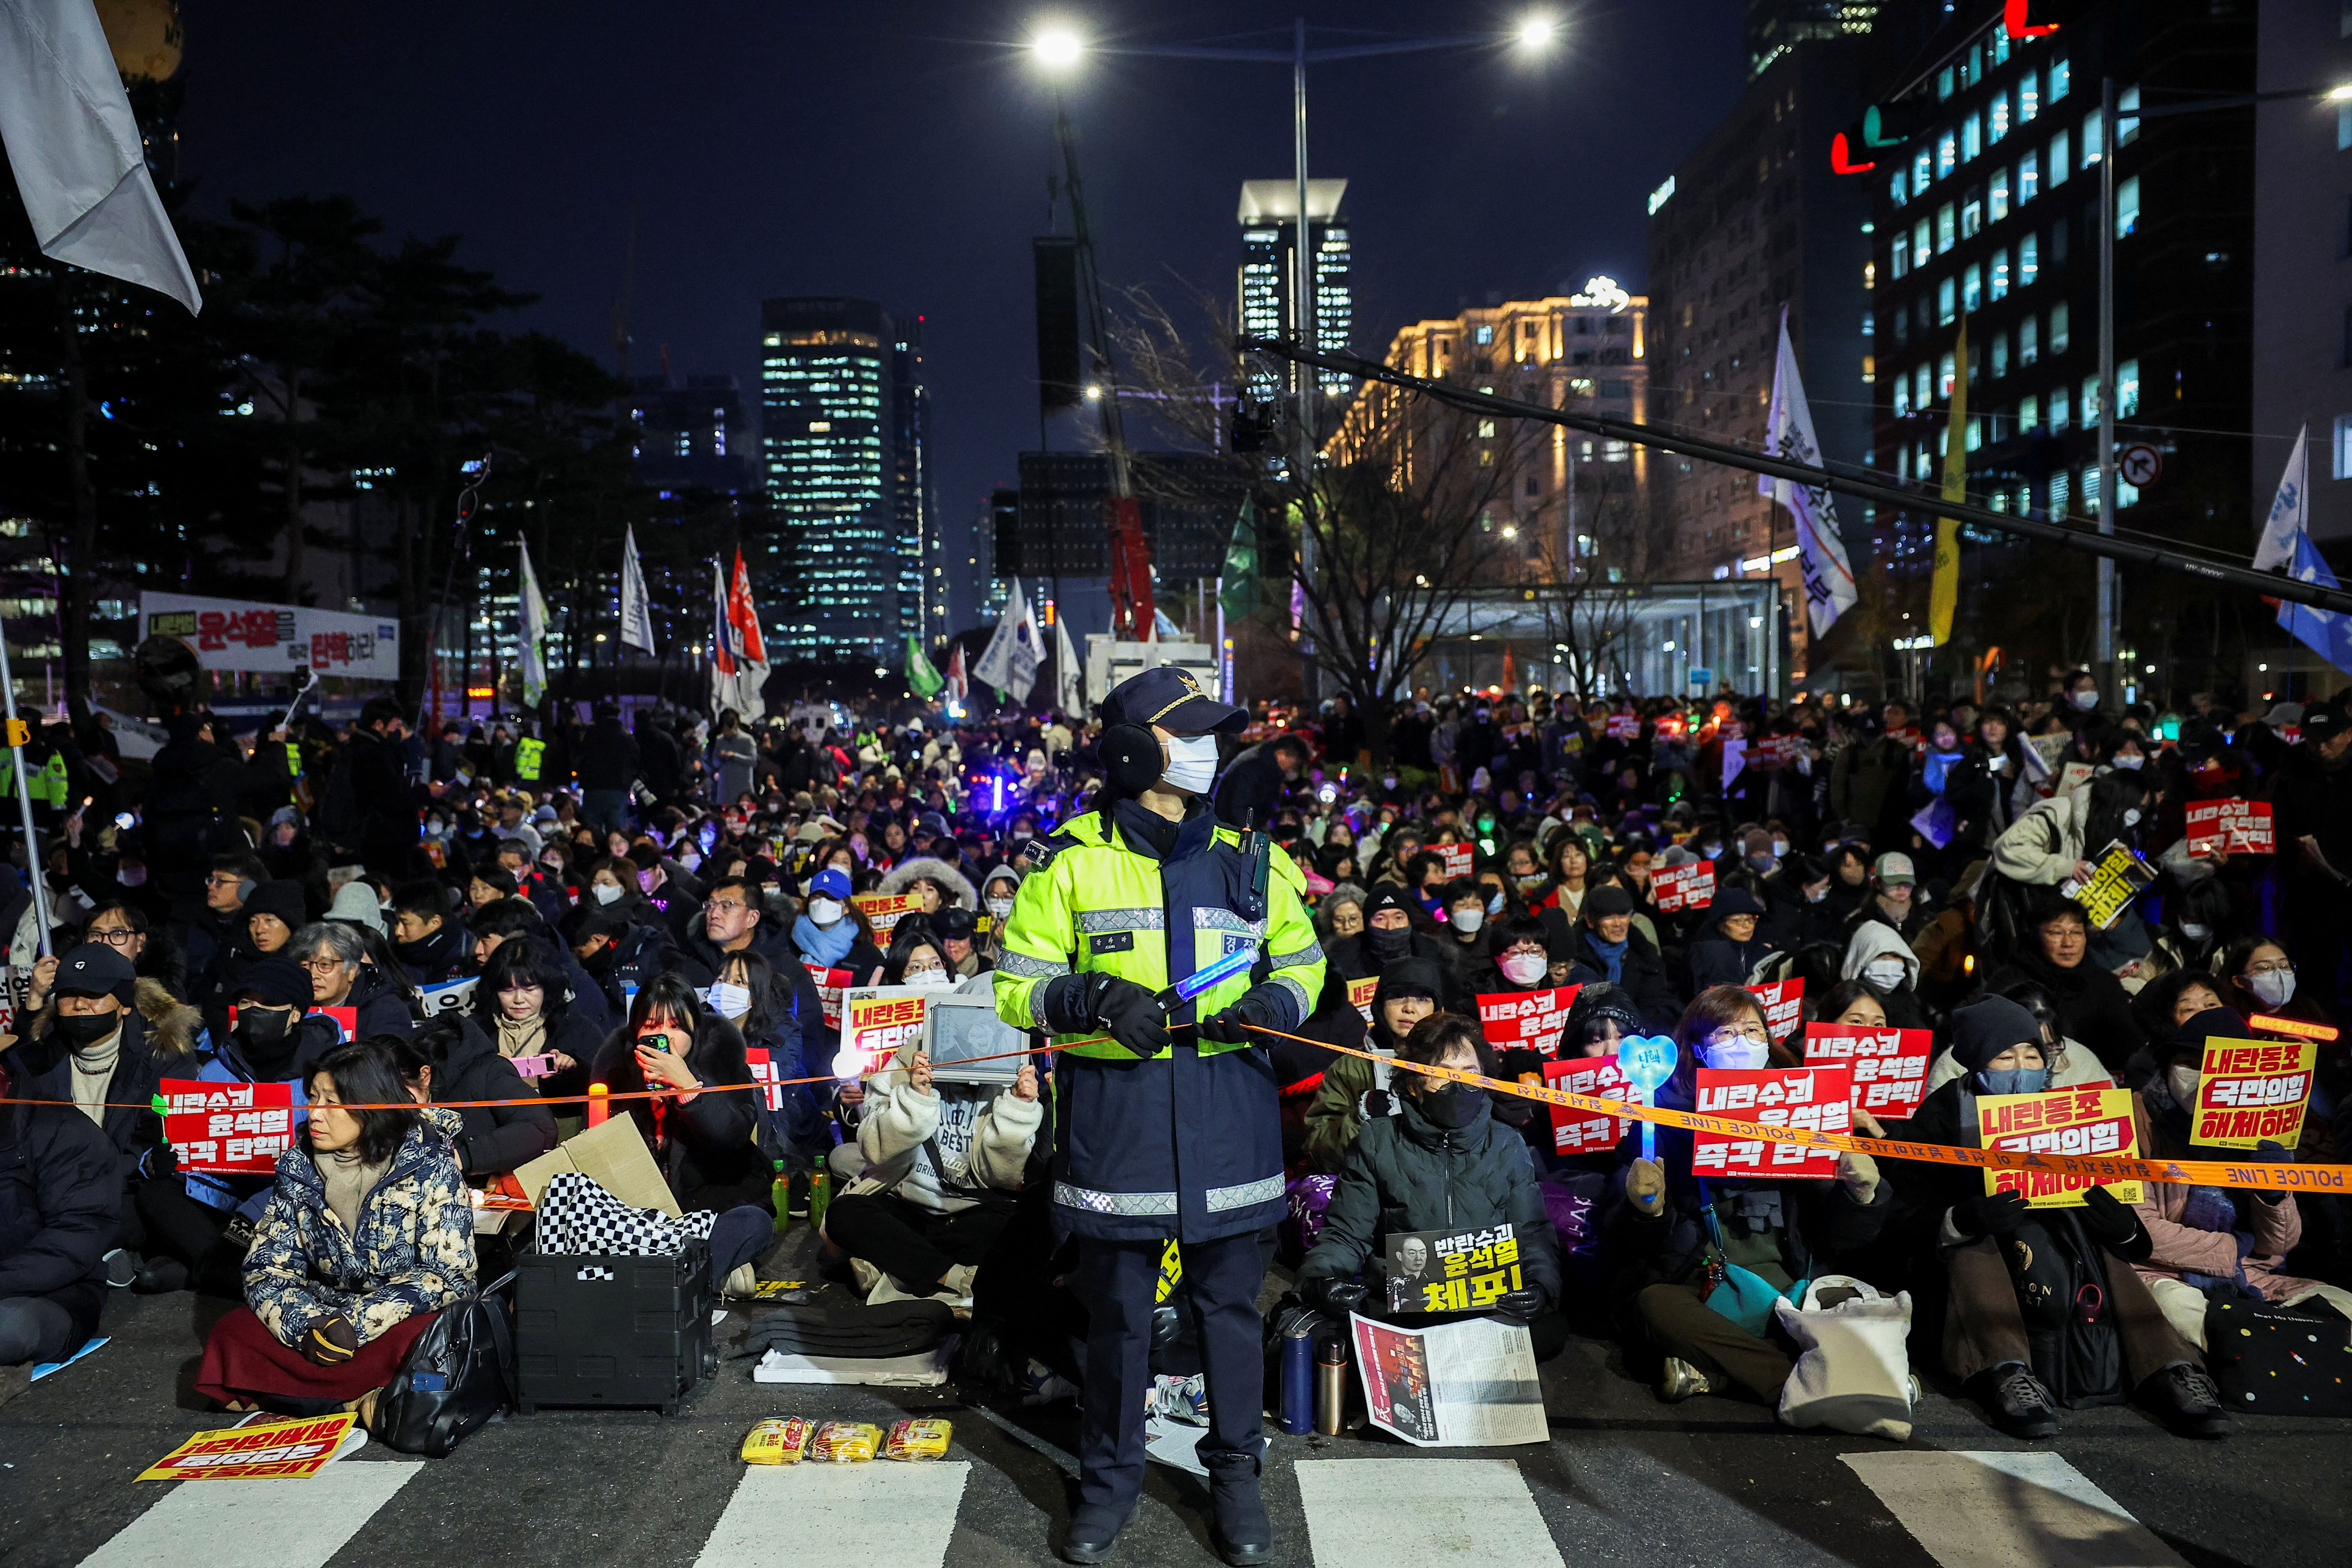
(1069, 674)
(1820, 550)
(73, 144)
(637, 614)
(531, 633)
(1010, 661)
(2286, 547)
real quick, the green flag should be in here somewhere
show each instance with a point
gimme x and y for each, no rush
(926, 681)
(1237, 582)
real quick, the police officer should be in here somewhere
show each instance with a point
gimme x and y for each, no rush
(1169, 1126)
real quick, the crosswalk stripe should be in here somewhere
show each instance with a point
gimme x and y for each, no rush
(248, 1524)
(875, 1515)
(1376, 1514)
(2009, 1510)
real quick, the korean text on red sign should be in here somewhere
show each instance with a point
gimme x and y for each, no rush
(1460, 858)
(1818, 1099)
(1890, 1066)
(1583, 1131)
(829, 983)
(1526, 1020)
(1784, 1006)
(2230, 828)
(1687, 887)
(237, 1129)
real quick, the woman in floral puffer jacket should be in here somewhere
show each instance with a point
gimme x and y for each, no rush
(368, 1234)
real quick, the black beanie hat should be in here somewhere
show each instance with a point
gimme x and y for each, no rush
(277, 981)
(282, 897)
(1988, 1026)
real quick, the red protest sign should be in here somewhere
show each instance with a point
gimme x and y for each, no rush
(272, 1450)
(1623, 726)
(2230, 828)
(1584, 1131)
(1360, 992)
(1890, 1066)
(763, 1064)
(237, 1129)
(1526, 1020)
(1459, 859)
(1684, 886)
(1816, 1099)
(1784, 1006)
(829, 986)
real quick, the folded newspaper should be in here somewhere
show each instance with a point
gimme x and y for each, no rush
(1467, 1384)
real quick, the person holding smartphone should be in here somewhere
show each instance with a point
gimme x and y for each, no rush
(700, 1134)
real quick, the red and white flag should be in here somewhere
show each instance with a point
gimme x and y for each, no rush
(738, 654)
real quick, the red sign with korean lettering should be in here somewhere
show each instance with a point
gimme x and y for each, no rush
(1784, 1006)
(1685, 887)
(1459, 859)
(1890, 1066)
(762, 1061)
(2230, 828)
(1817, 1098)
(1623, 726)
(829, 986)
(228, 1128)
(1360, 994)
(1527, 1020)
(1583, 1132)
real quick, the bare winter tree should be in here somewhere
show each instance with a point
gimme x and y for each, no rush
(1397, 539)
(1580, 593)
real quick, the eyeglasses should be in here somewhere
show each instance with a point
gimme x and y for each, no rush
(1728, 1033)
(728, 905)
(2271, 966)
(321, 965)
(116, 936)
(222, 880)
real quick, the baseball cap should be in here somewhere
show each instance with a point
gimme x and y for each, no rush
(95, 969)
(2321, 724)
(833, 882)
(1171, 697)
(1893, 871)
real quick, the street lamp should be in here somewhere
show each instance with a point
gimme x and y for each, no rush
(1056, 46)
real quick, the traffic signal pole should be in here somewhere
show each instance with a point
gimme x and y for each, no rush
(2107, 546)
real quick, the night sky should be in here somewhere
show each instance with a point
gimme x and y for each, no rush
(899, 151)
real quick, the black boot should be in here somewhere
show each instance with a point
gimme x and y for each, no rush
(160, 1276)
(1094, 1528)
(2017, 1402)
(1242, 1534)
(2188, 1400)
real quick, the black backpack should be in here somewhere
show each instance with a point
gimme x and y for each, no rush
(459, 1374)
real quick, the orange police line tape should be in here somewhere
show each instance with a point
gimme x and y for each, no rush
(2279, 1176)
(2285, 1176)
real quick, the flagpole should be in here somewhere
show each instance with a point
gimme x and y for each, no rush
(34, 867)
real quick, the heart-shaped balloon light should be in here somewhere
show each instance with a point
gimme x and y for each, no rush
(1647, 1060)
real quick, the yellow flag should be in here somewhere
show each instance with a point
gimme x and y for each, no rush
(1944, 596)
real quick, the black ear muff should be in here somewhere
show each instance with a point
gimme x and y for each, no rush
(1131, 757)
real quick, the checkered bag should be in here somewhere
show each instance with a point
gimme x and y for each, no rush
(579, 1218)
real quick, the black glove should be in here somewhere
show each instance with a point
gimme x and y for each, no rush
(330, 1342)
(2115, 1226)
(1133, 1017)
(1995, 1214)
(1332, 1296)
(1376, 1104)
(1268, 1007)
(158, 1162)
(1519, 1306)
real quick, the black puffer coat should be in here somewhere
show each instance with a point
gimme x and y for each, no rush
(1406, 1173)
(704, 1145)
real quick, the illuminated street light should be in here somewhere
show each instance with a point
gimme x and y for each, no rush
(2338, 94)
(1539, 31)
(1058, 46)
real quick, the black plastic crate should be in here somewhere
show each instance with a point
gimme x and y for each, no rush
(612, 1330)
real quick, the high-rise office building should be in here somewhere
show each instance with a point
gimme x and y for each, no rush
(842, 424)
(1268, 276)
(690, 433)
(1754, 220)
(1776, 26)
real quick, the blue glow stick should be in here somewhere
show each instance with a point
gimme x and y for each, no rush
(1201, 980)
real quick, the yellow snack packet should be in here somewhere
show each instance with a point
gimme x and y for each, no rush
(779, 1441)
(918, 1439)
(844, 1442)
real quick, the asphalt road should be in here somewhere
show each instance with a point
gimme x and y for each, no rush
(1624, 1479)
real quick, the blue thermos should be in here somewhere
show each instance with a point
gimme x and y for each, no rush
(1298, 1381)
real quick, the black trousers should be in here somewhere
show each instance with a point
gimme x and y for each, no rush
(1118, 1280)
(914, 1245)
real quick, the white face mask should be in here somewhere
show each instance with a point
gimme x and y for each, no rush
(1887, 974)
(606, 892)
(825, 911)
(2131, 762)
(1779, 847)
(1815, 895)
(132, 876)
(2086, 700)
(1525, 968)
(1740, 1055)
(731, 1001)
(2274, 986)
(1000, 907)
(2131, 816)
(1192, 763)
(2182, 1082)
(2196, 932)
(928, 979)
(1467, 921)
